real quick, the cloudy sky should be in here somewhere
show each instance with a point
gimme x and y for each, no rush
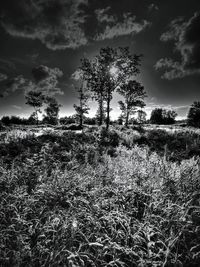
(42, 42)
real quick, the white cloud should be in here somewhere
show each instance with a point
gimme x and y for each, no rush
(125, 27)
(57, 24)
(185, 35)
(103, 16)
(45, 80)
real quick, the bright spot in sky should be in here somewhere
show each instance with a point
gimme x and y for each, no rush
(114, 71)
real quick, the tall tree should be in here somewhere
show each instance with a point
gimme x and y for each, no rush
(52, 110)
(95, 82)
(82, 108)
(106, 72)
(35, 99)
(100, 114)
(134, 94)
(193, 117)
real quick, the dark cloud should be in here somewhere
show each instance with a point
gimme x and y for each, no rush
(56, 23)
(7, 66)
(13, 84)
(186, 38)
(40, 73)
(45, 79)
(61, 24)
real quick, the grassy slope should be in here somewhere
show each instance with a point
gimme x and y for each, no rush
(98, 199)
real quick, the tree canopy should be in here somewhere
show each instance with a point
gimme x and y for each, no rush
(110, 69)
(162, 116)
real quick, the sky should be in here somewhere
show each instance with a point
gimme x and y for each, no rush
(42, 42)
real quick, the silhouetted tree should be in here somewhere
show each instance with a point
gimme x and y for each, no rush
(120, 120)
(32, 119)
(5, 120)
(156, 116)
(35, 99)
(141, 116)
(169, 117)
(90, 121)
(134, 94)
(109, 70)
(95, 82)
(162, 116)
(82, 108)
(52, 110)
(193, 117)
(100, 115)
(68, 120)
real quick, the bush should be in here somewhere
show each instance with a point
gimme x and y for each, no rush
(108, 138)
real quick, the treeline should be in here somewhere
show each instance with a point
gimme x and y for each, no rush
(163, 116)
(112, 70)
(158, 116)
(67, 120)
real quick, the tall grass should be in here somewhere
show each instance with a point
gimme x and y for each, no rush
(68, 201)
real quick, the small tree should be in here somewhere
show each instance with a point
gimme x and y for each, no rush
(32, 119)
(193, 117)
(169, 117)
(134, 94)
(82, 108)
(35, 99)
(156, 116)
(141, 116)
(120, 120)
(52, 110)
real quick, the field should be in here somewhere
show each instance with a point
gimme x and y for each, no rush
(126, 197)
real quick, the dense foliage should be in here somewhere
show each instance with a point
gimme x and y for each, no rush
(162, 116)
(193, 118)
(99, 198)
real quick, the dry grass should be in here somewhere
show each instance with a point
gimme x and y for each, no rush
(133, 208)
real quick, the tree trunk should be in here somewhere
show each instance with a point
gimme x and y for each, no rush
(37, 117)
(81, 121)
(108, 113)
(127, 119)
(101, 111)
